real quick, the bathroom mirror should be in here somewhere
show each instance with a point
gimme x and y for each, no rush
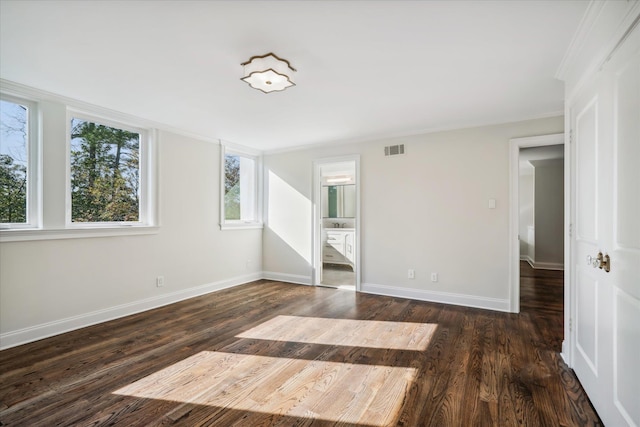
(339, 201)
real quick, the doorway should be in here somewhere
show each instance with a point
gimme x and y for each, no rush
(522, 240)
(541, 237)
(336, 220)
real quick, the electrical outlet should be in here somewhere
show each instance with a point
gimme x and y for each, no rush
(411, 274)
(434, 277)
(160, 281)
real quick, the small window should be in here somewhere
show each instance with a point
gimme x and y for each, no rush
(240, 190)
(19, 207)
(106, 173)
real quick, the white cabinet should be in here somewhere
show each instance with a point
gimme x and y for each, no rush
(349, 246)
(339, 247)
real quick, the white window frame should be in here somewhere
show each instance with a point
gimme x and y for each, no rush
(34, 165)
(146, 202)
(231, 149)
(48, 202)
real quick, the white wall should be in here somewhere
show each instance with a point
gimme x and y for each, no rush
(526, 204)
(549, 212)
(426, 210)
(48, 286)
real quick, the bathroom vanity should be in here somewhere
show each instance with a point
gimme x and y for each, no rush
(339, 246)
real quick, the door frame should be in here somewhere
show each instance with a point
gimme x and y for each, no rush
(515, 144)
(316, 239)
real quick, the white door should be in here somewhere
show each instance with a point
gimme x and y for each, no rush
(605, 124)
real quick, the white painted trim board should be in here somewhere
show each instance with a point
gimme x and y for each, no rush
(56, 327)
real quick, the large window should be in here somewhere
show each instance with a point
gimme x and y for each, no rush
(105, 172)
(18, 164)
(240, 202)
(106, 187)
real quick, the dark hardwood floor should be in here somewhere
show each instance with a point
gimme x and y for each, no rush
(542, 298)
(269, 353)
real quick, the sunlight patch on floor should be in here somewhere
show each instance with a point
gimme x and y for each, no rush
(345, 332)
(333, 391)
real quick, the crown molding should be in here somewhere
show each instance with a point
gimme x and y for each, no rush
(38, 95)
(602, 29)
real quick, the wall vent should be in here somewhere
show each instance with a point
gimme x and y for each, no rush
(393, 150)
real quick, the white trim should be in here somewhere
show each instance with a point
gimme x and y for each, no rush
(579, 37)
(18, 89)
(316, 217)
(397, 135)
(75, 233)
(565, 352)
(241, 225)
(603, 28)
(438, 297)
(45, 229)
(44, 330)
(548, 266)
(240, 149)
(34, 162)
(146, 202)
(56, 327)
(256, 156)
(286, 277)
(528, 259)
(542, 265)
(515, 144)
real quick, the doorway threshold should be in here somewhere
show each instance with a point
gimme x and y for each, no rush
(340, 287)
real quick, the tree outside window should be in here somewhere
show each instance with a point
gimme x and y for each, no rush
(13, 162)
(232, 187)
(105, 173)
(240, 188)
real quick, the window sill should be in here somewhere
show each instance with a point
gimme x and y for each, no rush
(242, 226)
(19, 235)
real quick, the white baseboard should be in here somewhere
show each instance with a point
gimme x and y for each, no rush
(286, 277)
(564, 353)
(435, 296)
(542, 265)
(548, 266)
(528, 259)
(56, 327)
(38, 332)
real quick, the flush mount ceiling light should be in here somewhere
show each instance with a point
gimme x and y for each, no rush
(268, 73)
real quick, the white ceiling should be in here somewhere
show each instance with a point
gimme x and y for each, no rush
(366, 69)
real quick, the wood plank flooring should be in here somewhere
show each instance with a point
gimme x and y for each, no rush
(270, 353)
(542, 298)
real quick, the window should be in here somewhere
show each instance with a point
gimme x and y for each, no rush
(106, 173)
(239, 204)
(107, 187)
(19, 195)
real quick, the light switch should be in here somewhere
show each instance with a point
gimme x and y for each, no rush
(492, 203)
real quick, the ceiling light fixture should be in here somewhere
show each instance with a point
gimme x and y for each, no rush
(268, 73)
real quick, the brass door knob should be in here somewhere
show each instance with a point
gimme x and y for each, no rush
(605, 264)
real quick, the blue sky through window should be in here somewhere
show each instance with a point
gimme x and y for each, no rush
(13, 131)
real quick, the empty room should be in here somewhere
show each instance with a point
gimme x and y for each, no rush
(353, 213)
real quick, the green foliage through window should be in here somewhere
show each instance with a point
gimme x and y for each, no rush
(232, 187)
(13, 162)
(105, 173)
(240, 187)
